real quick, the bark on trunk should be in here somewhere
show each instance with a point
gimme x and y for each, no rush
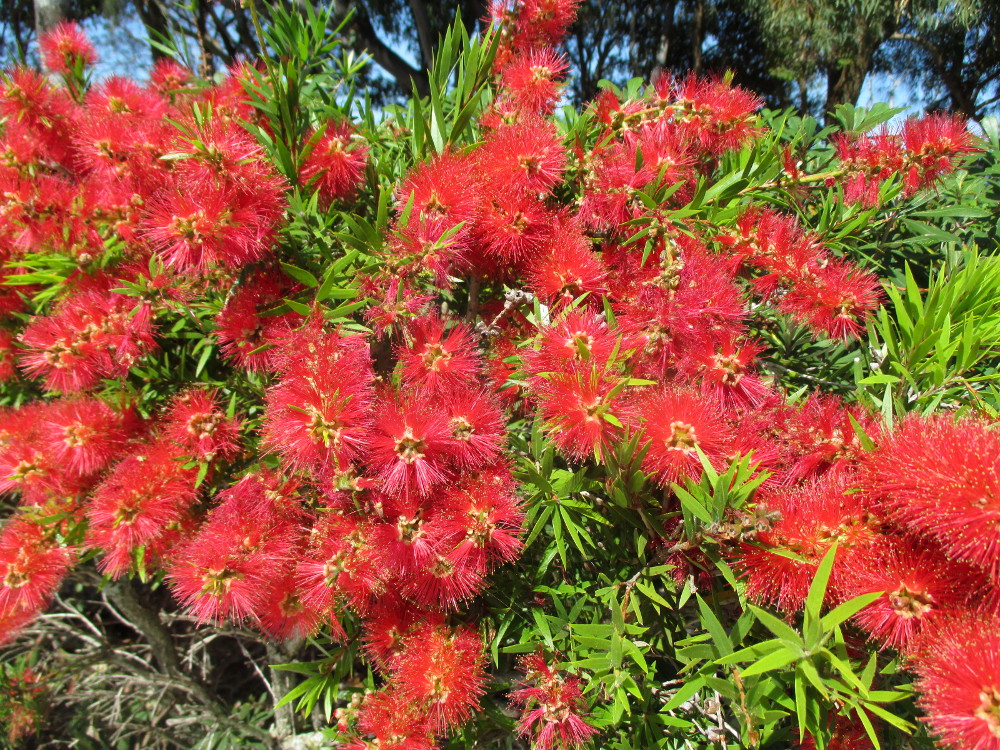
(48, 13)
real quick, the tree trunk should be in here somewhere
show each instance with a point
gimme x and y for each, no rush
(697, 35)
(48, 13)
(155, 20)
(843, 84)
(666, 31)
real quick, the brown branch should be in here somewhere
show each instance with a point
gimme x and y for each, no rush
(146, 621)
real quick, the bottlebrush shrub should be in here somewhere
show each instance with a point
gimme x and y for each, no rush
(478, 376)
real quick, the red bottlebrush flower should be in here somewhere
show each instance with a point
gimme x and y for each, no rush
(28, 460)
(84, 434)
(197, 424)
(935, 142)
(339, 562)
(244, 331)
(569, 269)
(540, 23)
(124, 100)
(822, 434)
(93, 334)
(578, 341)
(446, 578)
(727, 372)
(32, 565)
(511, 228)
(611, 198)
(552, 706)
(66, 49)
(477, 428)
(410, 447)
(436, 360)
(234, 561)
(394, 722)
(284, 614)
(715, 115)
(430, 245)
(26, 97)
(336, 162)
(7, 353)
(388, 624)
(442, 672)
(169, 76)
(940, 477)
(523, 157)
(444, 190)
(921, 585)
(836, 301)
(405, 541)
(319, 422)
(676, 423)
(579, 410)
(313, 348)
(482, 519)
(959, 682)
(533, 79)
(193, 231)
(142, 500)
(809, 520)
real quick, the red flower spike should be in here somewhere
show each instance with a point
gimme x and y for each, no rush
(533, 79)
(552, 706)
(959, 682)
(576, 342)
(197, 424)
(390, 621)
(728, 373)
(405, 539)
(524, 157)
(482, 519)
(446, 579)
(410, 447)
(321, 424)
(677, 423)
(339, 563)
(64, 47)
(579, 409)
(169, 76)
(394, 723)
(336, 163)
(284, 614)
(921, 586)
(809, 520)
(437, 360)
(144, 498)
(442, 671)
(940, 477)
(477, 428)
(511, 228)
(229, 568)
(444, 189)
(242, 329)
(570, 268)
(32, 565)
(85, 434)
(836, 300)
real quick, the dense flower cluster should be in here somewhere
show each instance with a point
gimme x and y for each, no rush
(371, 473)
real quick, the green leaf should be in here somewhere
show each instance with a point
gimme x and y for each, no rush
(775, 660)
